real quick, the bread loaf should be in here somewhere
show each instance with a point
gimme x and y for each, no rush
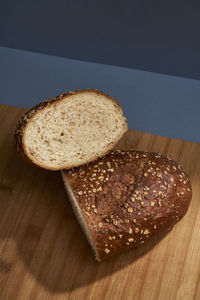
(70, 130)
(124, 198)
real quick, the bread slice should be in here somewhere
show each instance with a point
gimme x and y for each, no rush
(126, 197)
(70, 130)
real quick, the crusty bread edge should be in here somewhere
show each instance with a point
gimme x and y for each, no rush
(18, 136)
(79, 215)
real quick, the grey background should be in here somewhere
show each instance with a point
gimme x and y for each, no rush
(157, 36)
(104, 45)
(155, 103)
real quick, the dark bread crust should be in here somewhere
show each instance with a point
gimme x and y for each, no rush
(18, 133)
(129, 196)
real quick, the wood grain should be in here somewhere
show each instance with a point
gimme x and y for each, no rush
(44, 254)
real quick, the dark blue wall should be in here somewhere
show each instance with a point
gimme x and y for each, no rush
(158, 36)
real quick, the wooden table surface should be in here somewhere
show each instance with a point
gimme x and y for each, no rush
(44, 254)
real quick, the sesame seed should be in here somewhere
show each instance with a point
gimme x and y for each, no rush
(100, 225)
(120, 236)
(94, 190)
(146, 231)
(177, 194)
(154, 226)
(134, 220)
(152, 203)
(80, 193)
(127, 243)
(130, 230)
(146, 188)
(132, 199)
(174, 167)
(145, 174)
(107, 250)
(188, 189)
(115, 222)
(130, 210)
(159, 175)
(130, 240)
(95, 211)
(136, 230)
(142, 204)
(172, 179)
(126, 221)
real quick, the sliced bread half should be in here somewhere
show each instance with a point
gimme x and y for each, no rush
(127, 197)
(70, 130)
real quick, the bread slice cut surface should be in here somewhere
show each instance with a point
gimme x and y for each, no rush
(71, 130)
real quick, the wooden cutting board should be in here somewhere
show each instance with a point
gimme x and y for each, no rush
(44, 254)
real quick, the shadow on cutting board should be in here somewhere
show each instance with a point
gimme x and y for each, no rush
(49, 240)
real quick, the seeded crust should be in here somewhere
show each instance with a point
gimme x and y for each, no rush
(18, 136)
(126, 197)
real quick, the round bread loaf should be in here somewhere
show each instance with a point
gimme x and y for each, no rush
(126, 197)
